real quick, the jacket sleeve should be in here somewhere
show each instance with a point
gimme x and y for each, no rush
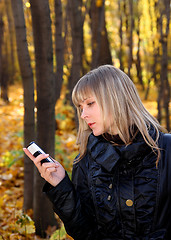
(163, 216)
(74, 210)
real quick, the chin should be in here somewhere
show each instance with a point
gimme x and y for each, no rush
(97, 133)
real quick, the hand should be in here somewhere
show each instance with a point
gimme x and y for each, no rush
(51, 172)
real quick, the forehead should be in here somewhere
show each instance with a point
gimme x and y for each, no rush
(87, 99)
(82, 94)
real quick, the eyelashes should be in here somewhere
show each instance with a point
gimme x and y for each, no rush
(85, 105)
(91, 103)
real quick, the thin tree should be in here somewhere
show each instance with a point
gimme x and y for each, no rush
(11, 40)
(4, 76)
(138, 64)
(28, 86)
(45, 79)
(59, 46)
(100, 44)
(164, 88)
(155, 55)
(121, 34)
(1, 41)
(76, 22)
(3, 64)
(130, 36)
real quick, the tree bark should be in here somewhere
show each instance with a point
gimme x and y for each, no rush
(1, 41)
(121, 35)
(156, 56)
(12, 49)
(131, 23)
(43, 213)
(100, 45)
(76, 21)
(3, 64)
(1, 57)
(59, 44)
(28, 86)
(138, 60)
(164, 88)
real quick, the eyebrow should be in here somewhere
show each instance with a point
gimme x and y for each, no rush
(86, 98)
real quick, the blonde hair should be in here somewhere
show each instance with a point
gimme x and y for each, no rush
(115, 93)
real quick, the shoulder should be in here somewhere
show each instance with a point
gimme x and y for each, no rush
(165, 142)
(165, 148)
(167, 137)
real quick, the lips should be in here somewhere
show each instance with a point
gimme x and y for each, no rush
(91, 124)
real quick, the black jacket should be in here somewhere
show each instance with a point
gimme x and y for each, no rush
(117, 192)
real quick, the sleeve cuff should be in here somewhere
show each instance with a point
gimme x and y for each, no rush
(64, 186)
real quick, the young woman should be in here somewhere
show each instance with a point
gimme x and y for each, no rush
(121, 180)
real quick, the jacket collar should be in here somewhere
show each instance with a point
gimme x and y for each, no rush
(108, 155)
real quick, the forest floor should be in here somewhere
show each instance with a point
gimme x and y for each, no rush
(14, 224)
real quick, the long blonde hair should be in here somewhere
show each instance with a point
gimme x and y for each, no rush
(115, 93)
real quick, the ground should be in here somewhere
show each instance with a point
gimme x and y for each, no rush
(14, 224)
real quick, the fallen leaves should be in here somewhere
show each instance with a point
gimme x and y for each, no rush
(14, 223)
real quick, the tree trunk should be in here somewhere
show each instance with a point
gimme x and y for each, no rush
(4, 79)
(121, 35)
(1, 42)
(100, 45)
(76, 21)
(3, 64)
(43, 213)
(12, 50)
(59, 44)
(138, 60)
(164, 90)
(154, 71)
(28, 86)
(131, 23)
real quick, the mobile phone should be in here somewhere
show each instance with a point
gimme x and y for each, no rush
(35, 150)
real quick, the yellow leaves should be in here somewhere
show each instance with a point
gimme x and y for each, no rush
(151, 106)
(14, 224)
(11, 123)
(66, 149)
(64, 116)
(16, 236)
(11, 179)
(21, 227)
(66, 124)
(25, 224)
(27, 4)
(99, 3)
(11, 200)
(60, 234)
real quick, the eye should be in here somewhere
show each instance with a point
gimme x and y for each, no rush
(90, 103)
(80, 108)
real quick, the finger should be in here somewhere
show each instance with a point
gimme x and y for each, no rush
(56, 162)
(28, 154)
(36, 160)
(49, 168)
(39, 158)
(47, 172)
(50, 164)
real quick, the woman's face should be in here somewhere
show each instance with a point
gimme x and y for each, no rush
(92, 115)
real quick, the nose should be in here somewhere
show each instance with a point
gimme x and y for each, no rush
(83, 114)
